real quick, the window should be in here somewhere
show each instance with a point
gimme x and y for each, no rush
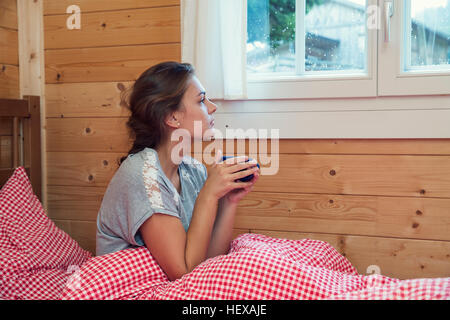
(318, 69)
(427, 35)
(415, 60)
(329, 48)
(332, 38)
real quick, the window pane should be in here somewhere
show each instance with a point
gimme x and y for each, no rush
(271, 36)
(335, 35)
(430, 34)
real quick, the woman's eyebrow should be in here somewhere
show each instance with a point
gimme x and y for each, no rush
(201, 92)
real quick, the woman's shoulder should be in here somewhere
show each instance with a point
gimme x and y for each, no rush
(144, 165)
(133, 164)
(131, 172)
(137, 176)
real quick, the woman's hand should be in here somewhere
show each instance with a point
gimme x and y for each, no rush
(236, 195)
(222, 176)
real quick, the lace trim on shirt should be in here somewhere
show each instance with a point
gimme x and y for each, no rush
(150, 173)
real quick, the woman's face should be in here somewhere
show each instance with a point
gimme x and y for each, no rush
(198, 110)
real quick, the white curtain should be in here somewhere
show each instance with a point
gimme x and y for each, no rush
(213, 39)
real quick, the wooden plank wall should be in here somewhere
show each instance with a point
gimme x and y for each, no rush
(9, 73)
(379, 202)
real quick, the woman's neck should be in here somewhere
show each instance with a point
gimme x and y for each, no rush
(165, 158)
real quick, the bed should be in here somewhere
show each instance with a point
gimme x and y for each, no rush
(25, 130)
(40, 261)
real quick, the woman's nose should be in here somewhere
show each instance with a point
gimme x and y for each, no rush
(212, 107)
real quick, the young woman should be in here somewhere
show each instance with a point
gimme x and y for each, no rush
(180, 212)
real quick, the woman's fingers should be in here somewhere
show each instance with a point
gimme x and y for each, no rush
(231, 161)
(240, 166)
(255, 177)
(240, 184)
(218, 157)
(244, 173)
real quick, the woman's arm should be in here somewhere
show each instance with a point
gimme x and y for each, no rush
(216, 230)
(223, 226)
(179, 252)
(223, 229)
(199, 232)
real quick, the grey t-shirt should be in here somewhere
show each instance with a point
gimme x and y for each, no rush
(138, 189)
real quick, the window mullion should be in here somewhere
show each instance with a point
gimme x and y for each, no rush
(405, 47)
(300, 36)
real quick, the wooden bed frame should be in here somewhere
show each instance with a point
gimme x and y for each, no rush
(26, 139)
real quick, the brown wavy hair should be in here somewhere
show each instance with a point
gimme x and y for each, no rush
(154, 95)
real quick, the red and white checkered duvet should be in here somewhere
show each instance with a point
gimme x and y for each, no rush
(256, 267)
(40, 261)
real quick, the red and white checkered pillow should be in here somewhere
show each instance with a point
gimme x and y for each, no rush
(36, 257)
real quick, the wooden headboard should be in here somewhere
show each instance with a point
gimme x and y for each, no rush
(21, 125)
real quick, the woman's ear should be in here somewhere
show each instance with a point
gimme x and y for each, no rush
(174, 120)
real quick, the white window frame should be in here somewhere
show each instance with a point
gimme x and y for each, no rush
(339, 85)
(386, 105)
(392, 79)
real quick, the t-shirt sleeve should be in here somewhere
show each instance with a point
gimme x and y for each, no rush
(152, 197)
